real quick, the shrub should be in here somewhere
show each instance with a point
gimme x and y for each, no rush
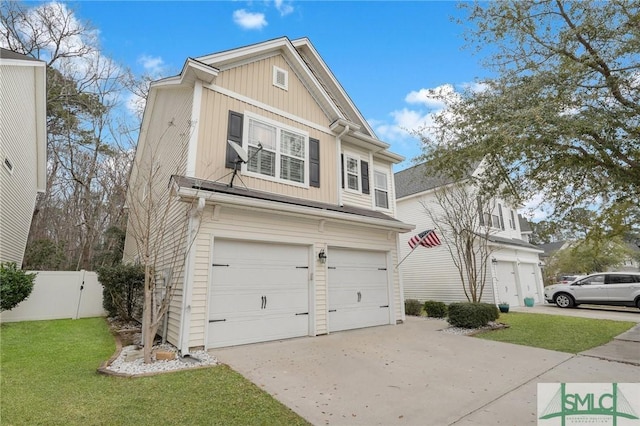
(122, 293)
(472, 315)
(412, 307)
(15, 285)
(435, 309)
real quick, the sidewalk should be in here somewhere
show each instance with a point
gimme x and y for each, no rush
(624, 348)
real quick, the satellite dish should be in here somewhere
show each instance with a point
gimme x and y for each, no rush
(242, 154)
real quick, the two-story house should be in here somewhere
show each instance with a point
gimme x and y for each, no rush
(287, 194)
(513, 271)
(23, 148)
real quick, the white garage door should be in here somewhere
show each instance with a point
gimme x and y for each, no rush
(528, 281)
(507, 283)
(258, 292)
(358, 289)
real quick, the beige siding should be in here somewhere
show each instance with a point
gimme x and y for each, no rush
(161, 153)
(261, 226)
(18, 189)
(255, 80)
(212, 145)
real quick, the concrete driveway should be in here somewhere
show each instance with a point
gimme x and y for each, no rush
(412, 374)
(616, 313)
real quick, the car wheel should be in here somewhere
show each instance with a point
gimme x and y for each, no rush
(563, 300)
(638, 303)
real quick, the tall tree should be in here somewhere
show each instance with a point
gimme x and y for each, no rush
(562, 117)
(85, 183)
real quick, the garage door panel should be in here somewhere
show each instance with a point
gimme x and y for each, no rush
(264, 328)
(506, 283)
(358, 289)
(258, 292)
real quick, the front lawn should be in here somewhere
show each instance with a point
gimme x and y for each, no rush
(556, 332)
(48, 376)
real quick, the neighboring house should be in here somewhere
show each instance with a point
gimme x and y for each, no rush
(430, 274)
(23, 148)
(305, 241)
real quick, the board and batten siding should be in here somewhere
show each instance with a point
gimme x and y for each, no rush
(251, 225)
(212, 146)
(254, 80)
(18, 188)
(429, 273)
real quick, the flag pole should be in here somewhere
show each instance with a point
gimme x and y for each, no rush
(414, 247)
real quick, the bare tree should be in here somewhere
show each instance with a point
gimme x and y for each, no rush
(161, 228)
(460, 215)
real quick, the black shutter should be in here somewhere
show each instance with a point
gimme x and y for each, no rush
(234, 133)
(364, 166)
(342, 168)
(314, 162)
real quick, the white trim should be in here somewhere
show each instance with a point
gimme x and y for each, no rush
(187, 286)
(388, 190)
(192, 150)
(294, 210)
(391, 289)
(278, 127)
(279, 71)
(27, 62)
(350, 155)
(266, 107)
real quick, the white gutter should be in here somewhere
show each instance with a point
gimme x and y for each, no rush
(292, 209)
(192, 150)
(185, 315)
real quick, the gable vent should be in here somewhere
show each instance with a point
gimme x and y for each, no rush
(280, 78)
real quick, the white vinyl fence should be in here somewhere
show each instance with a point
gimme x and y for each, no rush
(60, 295)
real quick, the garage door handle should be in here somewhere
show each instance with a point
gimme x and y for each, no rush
(218, 320)
(332, 310)
(219, 264)
(359, 297)
(303, 313)
(384, 306)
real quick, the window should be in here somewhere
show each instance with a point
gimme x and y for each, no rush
(283, 156)
(512, 220)
(280, 78)
(353, 172)
(381, 189)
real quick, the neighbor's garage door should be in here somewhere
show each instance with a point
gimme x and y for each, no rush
(528, 281)
(507, 283)
(358, 289)
(258, 292)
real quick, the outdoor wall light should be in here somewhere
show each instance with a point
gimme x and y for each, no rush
(322, 257)
(494, 260)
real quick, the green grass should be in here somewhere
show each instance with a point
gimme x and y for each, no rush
(556, 332)
(48, 377)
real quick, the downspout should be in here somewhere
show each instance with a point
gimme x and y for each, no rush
(187, 293)
(339, 162)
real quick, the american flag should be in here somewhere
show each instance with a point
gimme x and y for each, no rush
(427, 238)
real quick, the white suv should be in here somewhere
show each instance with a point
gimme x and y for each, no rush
(607, 288)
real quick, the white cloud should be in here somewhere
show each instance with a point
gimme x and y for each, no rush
(249, 20)
(435, 98)
(153, 65)
(283, 8)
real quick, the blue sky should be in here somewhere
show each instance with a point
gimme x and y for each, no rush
(383, 53)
